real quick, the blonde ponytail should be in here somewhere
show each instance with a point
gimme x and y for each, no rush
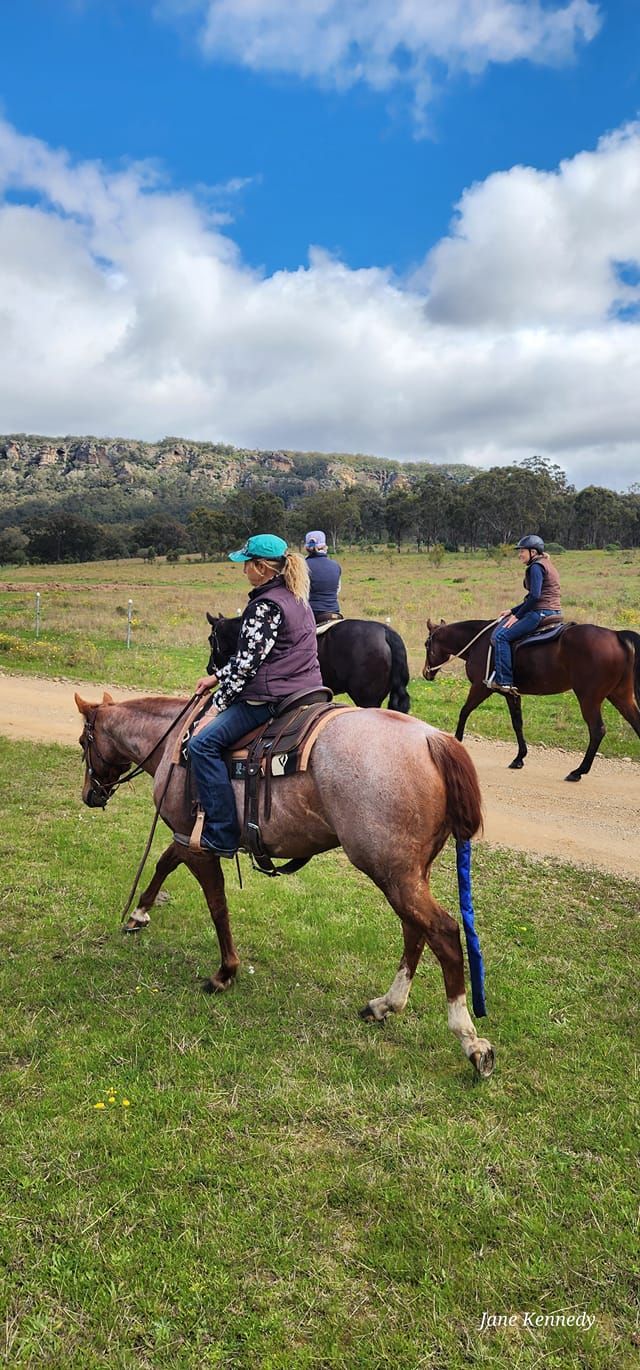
(293, 569)
(296, 576)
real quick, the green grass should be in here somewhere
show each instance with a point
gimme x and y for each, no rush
(83, 633)
(290, 1187)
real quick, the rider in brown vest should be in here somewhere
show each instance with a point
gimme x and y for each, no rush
(542, 601)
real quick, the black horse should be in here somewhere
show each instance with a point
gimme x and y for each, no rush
(358, 657)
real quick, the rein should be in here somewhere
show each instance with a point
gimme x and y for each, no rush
(462, 649)
(104, 792)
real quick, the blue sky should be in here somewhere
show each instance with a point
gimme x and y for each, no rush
(135, 134)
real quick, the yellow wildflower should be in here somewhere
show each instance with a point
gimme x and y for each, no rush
(99, 1105)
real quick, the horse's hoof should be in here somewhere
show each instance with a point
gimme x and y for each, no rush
(574, 775)
(369, 1015)
(517, 764)
(138, 920)
(483, 1060)
(215, 984)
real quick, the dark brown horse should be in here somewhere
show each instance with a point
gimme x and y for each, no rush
(357, 657)
(387, 788)
(596, 663)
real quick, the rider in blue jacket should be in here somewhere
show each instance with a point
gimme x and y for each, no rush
(324, 578)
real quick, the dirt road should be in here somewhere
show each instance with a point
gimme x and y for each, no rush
(595, 823)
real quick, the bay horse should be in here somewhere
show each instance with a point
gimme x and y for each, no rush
(596, 663)
(386, 788)
(358, 657)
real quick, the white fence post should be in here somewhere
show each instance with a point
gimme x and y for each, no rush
(37, 613)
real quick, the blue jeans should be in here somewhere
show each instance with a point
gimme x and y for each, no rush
(215, 791)
(503, 637)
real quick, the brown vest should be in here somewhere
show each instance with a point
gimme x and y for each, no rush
(550, 594)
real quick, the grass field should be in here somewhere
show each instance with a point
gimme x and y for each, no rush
(84, 608)
(286, 1186)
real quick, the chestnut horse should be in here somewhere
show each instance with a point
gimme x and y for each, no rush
(596, 663)
(387, 788)
(357, 657)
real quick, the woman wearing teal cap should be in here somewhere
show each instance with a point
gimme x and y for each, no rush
(276, 656)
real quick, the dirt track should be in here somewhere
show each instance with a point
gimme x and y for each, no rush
(595, 823)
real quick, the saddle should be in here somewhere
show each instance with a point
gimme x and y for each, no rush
(326, 621)
(280, 747)
(546, 632)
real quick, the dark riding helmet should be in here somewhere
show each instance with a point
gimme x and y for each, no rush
(532, 541)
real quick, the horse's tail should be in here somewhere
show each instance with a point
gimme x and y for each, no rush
(399, 679)
(463, 814)
(632, 640)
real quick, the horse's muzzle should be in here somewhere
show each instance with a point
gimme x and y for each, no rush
(94, 800)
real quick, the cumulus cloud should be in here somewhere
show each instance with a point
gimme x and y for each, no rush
(387, 42)
(126, 309)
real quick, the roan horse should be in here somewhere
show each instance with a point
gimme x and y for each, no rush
(387, 788)
(596, 663)
(358, 657)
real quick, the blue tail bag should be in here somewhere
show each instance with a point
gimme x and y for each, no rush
(476, 964)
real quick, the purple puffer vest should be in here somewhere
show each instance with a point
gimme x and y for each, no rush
(292, 663)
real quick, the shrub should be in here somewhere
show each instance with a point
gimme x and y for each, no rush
(613, 547)
(436, 554)
(555, 549)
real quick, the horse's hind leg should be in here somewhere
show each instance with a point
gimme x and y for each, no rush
(623, 700)
(423, 920)
(208, 872)
(395, 999)
(591, 712)
(166, 863)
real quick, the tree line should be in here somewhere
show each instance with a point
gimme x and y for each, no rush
(491, 509)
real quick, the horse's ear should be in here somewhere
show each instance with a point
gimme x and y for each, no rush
(107, 698)
(430, 625)
(84, 706)
(211, 619)
(443, 622)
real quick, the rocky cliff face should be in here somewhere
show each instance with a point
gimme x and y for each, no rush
(32, 466)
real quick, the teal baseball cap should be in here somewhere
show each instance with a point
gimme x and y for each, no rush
(265, 545)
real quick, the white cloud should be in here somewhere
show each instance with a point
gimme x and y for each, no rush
(387, 42)
(125, 310)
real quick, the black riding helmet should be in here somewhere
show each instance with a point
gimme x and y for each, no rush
(532, 542)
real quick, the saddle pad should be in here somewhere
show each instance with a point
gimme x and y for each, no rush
(324, 627)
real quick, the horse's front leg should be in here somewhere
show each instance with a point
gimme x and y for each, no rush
(515, 709)
(477, 695)
(166, 863)
(208, 872)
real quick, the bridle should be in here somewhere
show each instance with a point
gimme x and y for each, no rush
(462, 649)
(98, 788)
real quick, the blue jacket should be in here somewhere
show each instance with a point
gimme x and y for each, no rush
(324, 575)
